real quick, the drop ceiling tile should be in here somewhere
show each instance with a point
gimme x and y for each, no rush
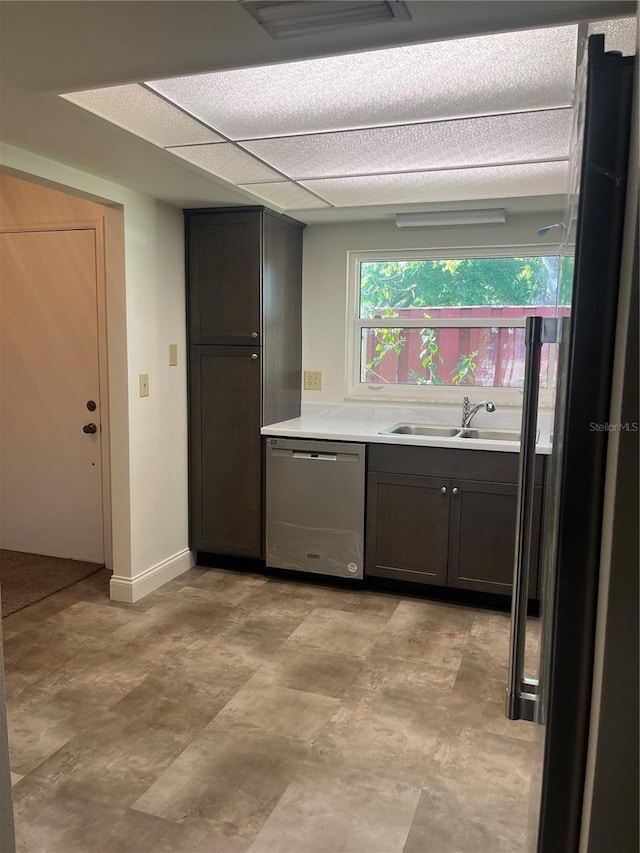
(139, 111)
(286, 195)
(515, 138)
(227, 162)
(619, 34)
(452, 185)
(483, 75)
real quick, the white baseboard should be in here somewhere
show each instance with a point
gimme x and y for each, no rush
(130, 590)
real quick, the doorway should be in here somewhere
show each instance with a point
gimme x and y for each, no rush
(51, 489)
(60, 254)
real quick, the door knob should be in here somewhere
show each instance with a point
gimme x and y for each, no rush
(444, 490)
(90, 429)
(456, 491)
(254, 356)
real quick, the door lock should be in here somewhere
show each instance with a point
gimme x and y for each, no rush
(90, 429)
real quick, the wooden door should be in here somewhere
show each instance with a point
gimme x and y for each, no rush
(50, 470)
(482, 536)
(224, 274)
(225, 450)
(408, 527)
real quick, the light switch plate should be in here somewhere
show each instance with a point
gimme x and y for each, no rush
(143, 379)
(173, 355)
(313, 380)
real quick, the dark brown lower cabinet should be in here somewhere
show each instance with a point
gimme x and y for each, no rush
(446, 531)
(225, 448)
(409, 537)
(482, 526)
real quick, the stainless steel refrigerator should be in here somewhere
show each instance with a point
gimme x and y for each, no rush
(559, 699)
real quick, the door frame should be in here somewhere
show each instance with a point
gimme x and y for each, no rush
(96, 225)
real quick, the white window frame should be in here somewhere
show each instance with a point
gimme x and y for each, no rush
(446, 394)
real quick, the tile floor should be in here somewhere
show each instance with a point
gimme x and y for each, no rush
(230, 712)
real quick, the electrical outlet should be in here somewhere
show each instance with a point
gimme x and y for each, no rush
(313, 380)
(173, 355)
(143, 379)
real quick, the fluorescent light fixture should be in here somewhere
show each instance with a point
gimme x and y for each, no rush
(451, 217)
(300, 17)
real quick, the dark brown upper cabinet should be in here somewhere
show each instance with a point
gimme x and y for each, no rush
(224, 266)
(244, 289)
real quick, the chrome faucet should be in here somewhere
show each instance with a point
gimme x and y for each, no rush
(468, 412)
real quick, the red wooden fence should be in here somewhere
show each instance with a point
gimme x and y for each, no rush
(500, 351)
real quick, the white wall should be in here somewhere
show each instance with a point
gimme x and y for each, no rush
(148, 435)
(154, 257)
(324, 277)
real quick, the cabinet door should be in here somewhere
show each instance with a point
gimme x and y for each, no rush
(407, 527)
(224, 276)
(225, 448)
(482, 537)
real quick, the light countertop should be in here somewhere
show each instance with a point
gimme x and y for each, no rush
(362, 423)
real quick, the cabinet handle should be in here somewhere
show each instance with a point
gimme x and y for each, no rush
(444, 490)
(254, 356)
(455, 491)
(254, 334)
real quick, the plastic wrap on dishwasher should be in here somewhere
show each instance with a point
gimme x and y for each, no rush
(330, 551)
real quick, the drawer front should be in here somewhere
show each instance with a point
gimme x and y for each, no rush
(486, 465)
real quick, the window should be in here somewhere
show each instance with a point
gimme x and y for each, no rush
(422, 326)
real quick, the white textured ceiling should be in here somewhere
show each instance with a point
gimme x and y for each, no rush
(51, 48)
(447, 185)
(513, 138)
(471, 118)
(483, 75)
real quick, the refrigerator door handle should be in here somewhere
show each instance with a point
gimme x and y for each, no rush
(522, 693)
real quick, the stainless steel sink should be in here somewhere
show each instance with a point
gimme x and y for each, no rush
(492, 434)
(468, 434)
(421, 429)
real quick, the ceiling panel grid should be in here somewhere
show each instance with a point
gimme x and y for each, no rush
(483, 75)
(468, 119)
(515, 138)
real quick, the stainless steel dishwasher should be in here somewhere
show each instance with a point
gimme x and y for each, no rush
(315, 506)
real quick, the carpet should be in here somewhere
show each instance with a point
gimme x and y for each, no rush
(27, 578)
